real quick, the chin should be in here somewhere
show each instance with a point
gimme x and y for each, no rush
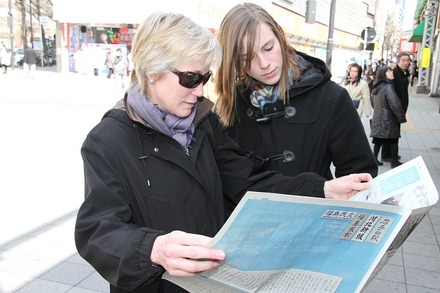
(272, 81)
(183, 113)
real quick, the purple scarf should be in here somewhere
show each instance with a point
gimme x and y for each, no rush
(180, 129)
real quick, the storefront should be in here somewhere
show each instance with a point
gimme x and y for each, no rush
(88, 45)
(83, 22)
(97, 26)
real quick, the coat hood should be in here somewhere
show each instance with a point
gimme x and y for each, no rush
(314, 73)
(377, 87)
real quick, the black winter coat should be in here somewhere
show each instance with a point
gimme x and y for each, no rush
(388, 111)
(401, 83)
(140, 184)
(324, 128)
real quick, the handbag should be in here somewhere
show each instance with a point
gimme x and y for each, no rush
(356, 103)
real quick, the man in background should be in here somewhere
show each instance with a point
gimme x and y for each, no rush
(29, 61)
(401, 83)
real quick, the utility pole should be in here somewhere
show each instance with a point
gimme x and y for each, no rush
(30, 23)
(11, 35)
(331, 26)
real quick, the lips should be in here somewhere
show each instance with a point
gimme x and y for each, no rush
(190, 104)
(270, 74)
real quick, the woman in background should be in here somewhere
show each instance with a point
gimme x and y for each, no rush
(388, 115)
(358, 90)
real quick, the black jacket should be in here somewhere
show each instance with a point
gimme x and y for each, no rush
(401, 83)
(388, 111)
(324, 129)
(140, 183)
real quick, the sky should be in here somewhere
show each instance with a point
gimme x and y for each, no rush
(408, 14)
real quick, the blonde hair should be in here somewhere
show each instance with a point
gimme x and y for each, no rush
(240, 22)
(163, 40)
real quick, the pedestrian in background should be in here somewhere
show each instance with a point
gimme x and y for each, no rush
(29, 61)
(387, 117)
(358, 90)
(130, 63)
(414, 71)
(5, 59)
(401, 79)
(401, 84)
(281, 106)
(133, 224)
(370, 74)
(109, 63)
(120, 65)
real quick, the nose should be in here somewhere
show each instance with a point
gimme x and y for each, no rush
(262, 61)
(198, 90)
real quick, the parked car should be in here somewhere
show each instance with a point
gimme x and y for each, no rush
(18, 56)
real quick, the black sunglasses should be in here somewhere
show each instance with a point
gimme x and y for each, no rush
(190, 79)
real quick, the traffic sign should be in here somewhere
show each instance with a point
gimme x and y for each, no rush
(369, 33)
(44, 20)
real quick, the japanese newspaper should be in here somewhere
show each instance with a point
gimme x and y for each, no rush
(285, 243)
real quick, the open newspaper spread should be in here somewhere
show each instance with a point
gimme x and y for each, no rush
(285, 243)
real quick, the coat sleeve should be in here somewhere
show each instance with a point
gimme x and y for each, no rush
(366, 98)
(395, 104)
(105, 236)
(238, 173)
(348, 145)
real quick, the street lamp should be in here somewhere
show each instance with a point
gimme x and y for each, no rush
(30, 23)
(331, 26)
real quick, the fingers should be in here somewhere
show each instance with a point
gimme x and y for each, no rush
(361, 181)
(190, 267)
(362, 177)
(347, 186)
(185, 254)
(192, 246)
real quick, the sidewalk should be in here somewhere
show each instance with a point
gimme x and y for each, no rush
(45, 121)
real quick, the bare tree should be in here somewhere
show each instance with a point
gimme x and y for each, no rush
(34, 9)
(21, 6)
(392, 35)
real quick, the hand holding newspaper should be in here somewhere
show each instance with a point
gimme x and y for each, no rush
(284, 243)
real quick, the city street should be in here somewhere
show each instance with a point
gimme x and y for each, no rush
(43, 124)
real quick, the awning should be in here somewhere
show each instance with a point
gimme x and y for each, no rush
(417, 35)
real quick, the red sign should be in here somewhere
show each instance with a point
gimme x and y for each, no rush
(407, 47)
(65, 28)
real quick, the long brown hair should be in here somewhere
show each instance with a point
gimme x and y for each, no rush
(240, 22)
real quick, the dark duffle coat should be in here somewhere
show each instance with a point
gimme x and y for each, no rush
(324, 128)
(140, 184)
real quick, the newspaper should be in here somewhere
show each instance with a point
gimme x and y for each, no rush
(284, 243)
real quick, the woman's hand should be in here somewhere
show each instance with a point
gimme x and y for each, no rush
(184, 254)
(346, 186)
